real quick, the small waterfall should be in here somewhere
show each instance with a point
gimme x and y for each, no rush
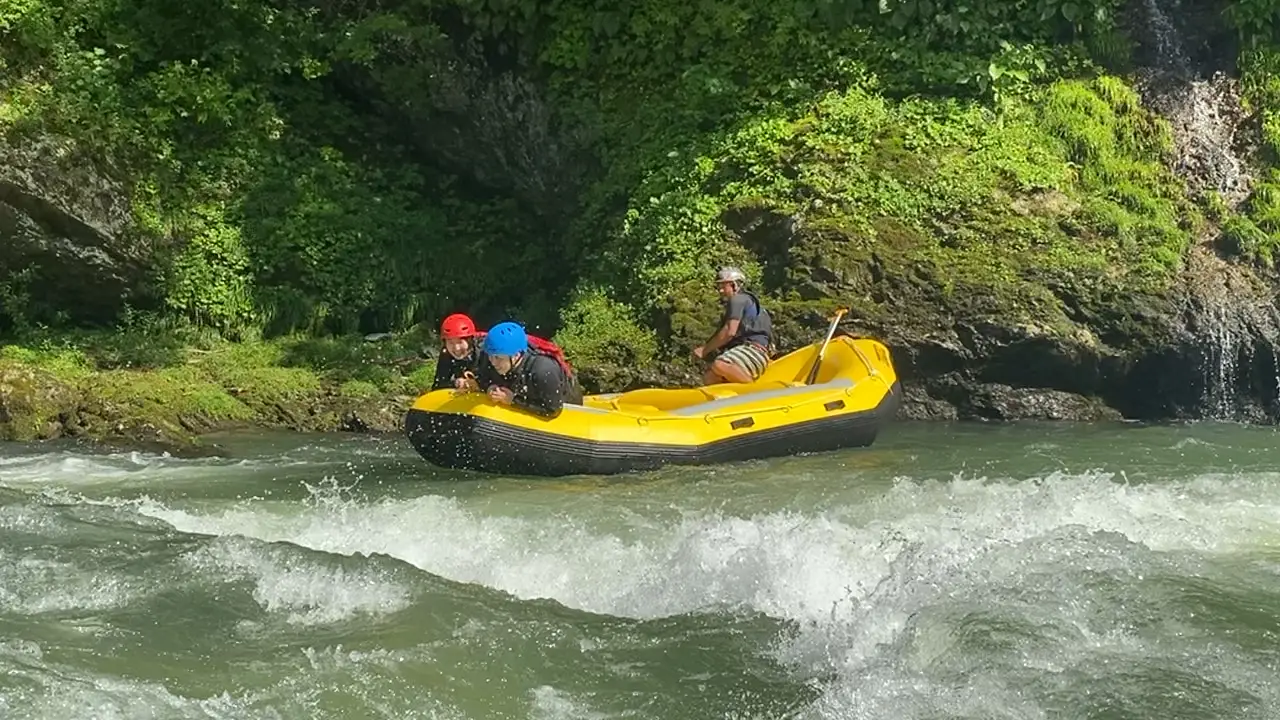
(1233, 323)
(1205, 112)
(1229, 319)
(1170, 53)
(1205, 116)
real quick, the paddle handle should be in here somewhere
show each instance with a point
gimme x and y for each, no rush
(831, 331)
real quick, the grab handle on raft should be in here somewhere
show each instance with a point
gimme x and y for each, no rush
(817, 362)
(823, 398)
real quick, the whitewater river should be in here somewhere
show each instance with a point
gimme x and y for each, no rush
(976, 572)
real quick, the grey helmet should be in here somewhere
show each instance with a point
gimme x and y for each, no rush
(731, 274)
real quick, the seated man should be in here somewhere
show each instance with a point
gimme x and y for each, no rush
(520, 375)
(460, 358)
(745, 334)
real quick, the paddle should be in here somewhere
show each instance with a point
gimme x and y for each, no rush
(817, 363)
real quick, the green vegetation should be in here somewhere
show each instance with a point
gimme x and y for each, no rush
(993, 201)
(299, 174)
(1257, 231)
(183, 381)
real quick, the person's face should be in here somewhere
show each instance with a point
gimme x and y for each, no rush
(726, 289)
(502, 363)
(457, 347)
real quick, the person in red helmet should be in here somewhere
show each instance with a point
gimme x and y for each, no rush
(460, 357)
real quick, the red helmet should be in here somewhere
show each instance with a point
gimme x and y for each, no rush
(457, 325)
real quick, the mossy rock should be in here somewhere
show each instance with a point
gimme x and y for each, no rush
(606, 378)
(32, 402)
(179, 402)
(691, 315)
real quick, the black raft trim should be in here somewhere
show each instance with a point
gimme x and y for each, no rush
(466, 442)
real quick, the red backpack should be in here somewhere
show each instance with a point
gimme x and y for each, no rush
(544, 346)
(549, 348)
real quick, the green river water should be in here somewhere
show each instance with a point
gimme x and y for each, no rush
(951, 571)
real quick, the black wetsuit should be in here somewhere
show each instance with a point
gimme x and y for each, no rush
(538, 384)
(449, 368)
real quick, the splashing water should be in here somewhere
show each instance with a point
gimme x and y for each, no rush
(995, 573)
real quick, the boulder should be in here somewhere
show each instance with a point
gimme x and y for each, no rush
(65, 219)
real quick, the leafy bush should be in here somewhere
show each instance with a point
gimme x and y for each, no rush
(599, 330)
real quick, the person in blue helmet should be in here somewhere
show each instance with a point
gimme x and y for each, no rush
(523, 376)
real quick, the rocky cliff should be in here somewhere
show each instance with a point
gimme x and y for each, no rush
(68, 232)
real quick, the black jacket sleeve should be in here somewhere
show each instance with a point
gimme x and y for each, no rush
(445, 368)
(543, 391)
(486, 376)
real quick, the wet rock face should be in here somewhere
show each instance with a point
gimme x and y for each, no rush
(1212, 132)
(36, 405)
(1230, 333)
(995, 401)
(959, 356)
(1004, 373)
(488, 124)
(70, 225)
(374, 417)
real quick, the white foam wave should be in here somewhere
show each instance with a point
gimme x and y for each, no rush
(864, 583)
(552, 704)
(35, 585)
(310, 592)
(48, 692)
(790, 565)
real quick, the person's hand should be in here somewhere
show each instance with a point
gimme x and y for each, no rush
(466, 382)
(501, 395)
(698, 352)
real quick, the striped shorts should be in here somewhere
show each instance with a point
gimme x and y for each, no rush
(750, 357)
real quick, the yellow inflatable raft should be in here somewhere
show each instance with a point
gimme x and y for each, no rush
(855, 392)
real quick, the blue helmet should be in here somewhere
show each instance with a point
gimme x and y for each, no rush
(506, 338)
